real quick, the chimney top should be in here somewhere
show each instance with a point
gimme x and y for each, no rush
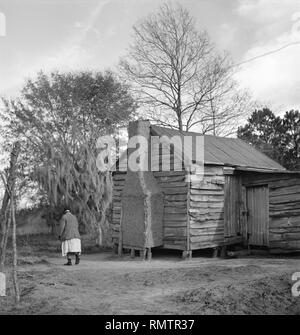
(139, 127)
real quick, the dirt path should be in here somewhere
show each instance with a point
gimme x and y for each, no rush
(104, 284)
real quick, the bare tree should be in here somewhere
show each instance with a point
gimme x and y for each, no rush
(178, 75)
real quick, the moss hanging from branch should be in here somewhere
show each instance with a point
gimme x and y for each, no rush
(79, 184)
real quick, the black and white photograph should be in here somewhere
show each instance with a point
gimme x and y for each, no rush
(149, 160)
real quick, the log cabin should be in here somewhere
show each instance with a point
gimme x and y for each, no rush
(239, 196)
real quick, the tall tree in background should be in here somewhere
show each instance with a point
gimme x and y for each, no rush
(179, 76)
(58, 119)
(277, 137)
(262, 131)
(291, 139)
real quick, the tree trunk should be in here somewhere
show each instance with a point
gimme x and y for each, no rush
(99, 241)
(10, 179)
(180, 126)
(5, 212)
(213, 116)
(4, 239)
(4, 206)
(8, 216)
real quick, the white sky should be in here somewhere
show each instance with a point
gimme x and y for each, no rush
(93, 34)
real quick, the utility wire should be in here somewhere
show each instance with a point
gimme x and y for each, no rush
(267, 53)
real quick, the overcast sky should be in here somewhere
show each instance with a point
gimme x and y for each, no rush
(93, 34)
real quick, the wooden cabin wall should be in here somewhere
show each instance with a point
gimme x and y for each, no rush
(175, 190)
(233, 206)
(285, 213)
(284, 208)
(217, 198)
(174, 187)
(206, 209)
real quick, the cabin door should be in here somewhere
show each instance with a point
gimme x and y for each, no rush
(257, 200)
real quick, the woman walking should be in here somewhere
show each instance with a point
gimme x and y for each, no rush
(70, 237)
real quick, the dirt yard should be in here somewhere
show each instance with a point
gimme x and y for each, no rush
(106, 284)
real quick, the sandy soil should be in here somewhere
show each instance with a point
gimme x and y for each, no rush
(106, 284)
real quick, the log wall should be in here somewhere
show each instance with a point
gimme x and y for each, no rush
(233, 206)
(174, 189)
(206, 209)
(284, 208)
(207, 213)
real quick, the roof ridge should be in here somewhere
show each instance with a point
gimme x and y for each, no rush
(196, 133)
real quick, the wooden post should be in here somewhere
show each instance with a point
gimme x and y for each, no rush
(5, 211)
(7, 217)
(120, 246)
(14, 245)
(149, 254)
(187, 254)
(115, 248)
(5, 234)
(143, 253)
(223, 251)
(215, 252)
